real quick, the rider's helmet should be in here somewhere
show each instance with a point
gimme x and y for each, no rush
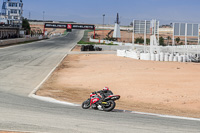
(105, 89)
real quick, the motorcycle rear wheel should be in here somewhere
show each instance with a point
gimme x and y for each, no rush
(110, 106)
(86, 104)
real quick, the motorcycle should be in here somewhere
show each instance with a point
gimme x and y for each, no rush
(95, 102)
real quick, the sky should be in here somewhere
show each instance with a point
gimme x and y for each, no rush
(91, 11)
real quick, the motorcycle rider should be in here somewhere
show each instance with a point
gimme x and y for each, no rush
(105, 93)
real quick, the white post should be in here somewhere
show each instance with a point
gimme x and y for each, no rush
(155, 27)
(158, 32)
(198, 44)
(186, 39)
(145, 27)
(173, 43)
(133, 38)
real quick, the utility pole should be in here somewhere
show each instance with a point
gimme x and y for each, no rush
(103, 24)
(43, 15)
(44, 23)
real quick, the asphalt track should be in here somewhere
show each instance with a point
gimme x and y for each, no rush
(23, 67)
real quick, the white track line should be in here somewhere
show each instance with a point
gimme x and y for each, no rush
(166, 116)
(8, 130)
(48, 99)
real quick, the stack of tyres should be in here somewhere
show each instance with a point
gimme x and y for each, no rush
(98, 49)
(82, 48)
(90, 48)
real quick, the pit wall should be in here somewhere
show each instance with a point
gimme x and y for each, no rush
(153, 57)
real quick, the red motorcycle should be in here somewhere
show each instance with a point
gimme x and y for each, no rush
(107, 104)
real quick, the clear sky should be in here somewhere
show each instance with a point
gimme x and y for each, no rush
(91, 11)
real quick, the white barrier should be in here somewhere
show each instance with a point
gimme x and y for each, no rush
(171, 57)
(166, 57)
(121, 53)
(175, 59)
(157, 57)
(129, 54)
(153, 57)
(184, 58)
(180, 58)
(161, 56)
(145, 56)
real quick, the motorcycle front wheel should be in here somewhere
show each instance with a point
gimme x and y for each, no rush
(109, 106)
(86, 104)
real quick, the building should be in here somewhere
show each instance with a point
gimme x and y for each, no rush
(11, 12)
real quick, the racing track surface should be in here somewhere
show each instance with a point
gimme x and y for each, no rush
(23, 67)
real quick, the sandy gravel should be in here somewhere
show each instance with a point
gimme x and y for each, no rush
(148, 86)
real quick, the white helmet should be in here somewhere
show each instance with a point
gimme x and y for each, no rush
(105, 89)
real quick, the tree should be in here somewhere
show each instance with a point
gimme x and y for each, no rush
(26, 26)
(168, 38)
(161, 41)
(139, 40)
(131, 24)
(178, 40)
(148, 41)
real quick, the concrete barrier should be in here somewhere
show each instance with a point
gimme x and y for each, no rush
(18, 40)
